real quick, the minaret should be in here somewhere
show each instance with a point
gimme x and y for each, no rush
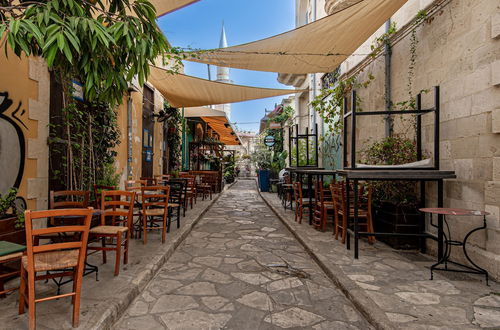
(223, 73)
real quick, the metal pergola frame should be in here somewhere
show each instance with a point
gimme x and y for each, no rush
(296, 138)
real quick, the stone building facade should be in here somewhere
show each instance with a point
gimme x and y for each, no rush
(456, 45)
(25, 103)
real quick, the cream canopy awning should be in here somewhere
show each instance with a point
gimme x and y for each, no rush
(313, 48)
(216, 119)
(186, 91)
(167, 6)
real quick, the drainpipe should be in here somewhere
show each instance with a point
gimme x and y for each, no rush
(131, 90)
(387, 84)
(314, 126)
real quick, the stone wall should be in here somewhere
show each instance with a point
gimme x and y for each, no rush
(459, 50)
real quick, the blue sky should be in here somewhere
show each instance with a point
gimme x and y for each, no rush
(199, 26)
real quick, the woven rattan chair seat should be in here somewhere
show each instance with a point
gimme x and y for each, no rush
(11, 256)
(53, 260)
(153, 212)
(108, 230)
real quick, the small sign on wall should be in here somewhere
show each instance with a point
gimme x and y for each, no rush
(77, 88)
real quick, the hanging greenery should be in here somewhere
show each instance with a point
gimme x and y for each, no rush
(174, 142)
(86, 141)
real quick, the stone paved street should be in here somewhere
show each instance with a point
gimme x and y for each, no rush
(240, 268)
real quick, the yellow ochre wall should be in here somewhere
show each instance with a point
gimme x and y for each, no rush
(27, 81)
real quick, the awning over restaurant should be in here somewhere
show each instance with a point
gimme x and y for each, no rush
(216, 119)
(313, 48)
(186, 91)
(167, 6)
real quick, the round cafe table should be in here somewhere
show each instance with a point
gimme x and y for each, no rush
(448, 242)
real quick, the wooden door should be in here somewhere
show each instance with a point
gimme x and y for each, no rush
(147, 132)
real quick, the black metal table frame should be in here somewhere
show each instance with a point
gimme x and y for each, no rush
(422, 235)
(445, 259)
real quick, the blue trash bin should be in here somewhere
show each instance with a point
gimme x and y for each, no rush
(264, 180)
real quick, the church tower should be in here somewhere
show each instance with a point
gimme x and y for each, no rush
(223, 73)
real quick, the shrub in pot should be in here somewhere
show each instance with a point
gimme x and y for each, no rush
(11, 219)
(395, 203)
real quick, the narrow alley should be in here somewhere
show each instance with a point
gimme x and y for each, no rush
(240, 268)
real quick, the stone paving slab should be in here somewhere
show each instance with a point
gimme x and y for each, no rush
(240, 268)
(104, 301)
(393, 288)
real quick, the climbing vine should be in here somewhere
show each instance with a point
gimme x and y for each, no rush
(174, 142)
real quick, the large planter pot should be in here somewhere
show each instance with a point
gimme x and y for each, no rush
(9, 232)
(390, 218)
(264, 180)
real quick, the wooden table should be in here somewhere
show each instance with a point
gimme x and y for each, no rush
(384, 174)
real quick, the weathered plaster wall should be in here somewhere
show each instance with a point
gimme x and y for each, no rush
(27, 82)
(459, 50)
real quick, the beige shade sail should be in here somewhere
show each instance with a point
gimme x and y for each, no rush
(186, 91)
(313, 48)
(167, 6)
(216, 119)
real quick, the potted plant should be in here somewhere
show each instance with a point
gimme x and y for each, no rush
(395, 203)
(11, 219)
(262, 159)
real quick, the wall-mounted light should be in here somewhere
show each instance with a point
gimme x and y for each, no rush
(226, 125)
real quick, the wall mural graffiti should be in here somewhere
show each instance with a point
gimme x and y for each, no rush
(12, 147)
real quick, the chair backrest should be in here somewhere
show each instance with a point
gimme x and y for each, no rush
(287, 177)
(97, 193)
(336, 190)
(177, 190)
(162, 178)
(119, 205)
(149, 181)
(297, 190)
(190, 180)
(155, 196)
(69, 199)
(76, 238)
(361, 192)
(135, 184)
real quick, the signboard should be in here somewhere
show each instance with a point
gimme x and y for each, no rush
(77, 90)
(269, 141)
(274, 125)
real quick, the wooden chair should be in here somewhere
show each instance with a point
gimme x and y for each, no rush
(300, 202)
(150, 181)
(10, 257)
(161, 178)
(365, 218)
(119, 206)
(64, 199)
(136, 185)
(177, 200)
(322, 207)
(154, 206)
(191, 189)
(69, 199)
(203, 188)
(66, 258)
(97, 193)
(287, 191)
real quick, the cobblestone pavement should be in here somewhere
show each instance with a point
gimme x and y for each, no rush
(393, 287)
(241, 269)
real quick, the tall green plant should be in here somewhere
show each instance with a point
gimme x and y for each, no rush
(104, 44)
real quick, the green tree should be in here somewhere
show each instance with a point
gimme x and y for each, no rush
(104, 44)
